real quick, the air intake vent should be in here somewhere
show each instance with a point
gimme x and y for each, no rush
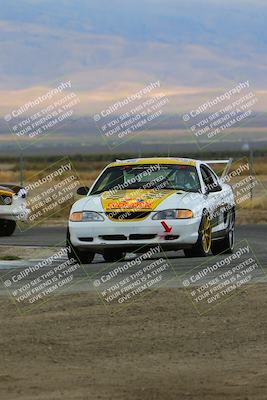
(127, 215)
(113, 237)
(142, 237)
(86, 239)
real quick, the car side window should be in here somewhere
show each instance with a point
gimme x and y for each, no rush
(208, 177)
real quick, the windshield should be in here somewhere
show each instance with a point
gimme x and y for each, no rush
(152, 176)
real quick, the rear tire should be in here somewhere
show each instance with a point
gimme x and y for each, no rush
(227, 244)
(203, 244)
(7, 227)
(113, 255)
(76, 255)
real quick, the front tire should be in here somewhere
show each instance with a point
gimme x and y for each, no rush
(76, 255)
(227, 244)
(203, 244)
(7, 227)
(113, 255)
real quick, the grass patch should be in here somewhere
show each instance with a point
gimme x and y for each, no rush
(9, 258)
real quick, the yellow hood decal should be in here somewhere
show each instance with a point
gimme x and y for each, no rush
(134, 200)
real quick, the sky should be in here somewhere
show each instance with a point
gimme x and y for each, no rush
(112, 48)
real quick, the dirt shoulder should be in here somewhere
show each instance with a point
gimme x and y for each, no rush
(157, 349)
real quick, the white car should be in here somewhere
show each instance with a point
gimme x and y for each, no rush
(12, 207)
(136, 204)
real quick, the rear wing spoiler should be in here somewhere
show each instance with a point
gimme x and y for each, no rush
(227, 167)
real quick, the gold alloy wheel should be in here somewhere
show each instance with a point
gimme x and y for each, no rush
(206, 234)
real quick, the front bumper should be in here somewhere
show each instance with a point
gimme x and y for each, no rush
(130, 236)
(14, 213)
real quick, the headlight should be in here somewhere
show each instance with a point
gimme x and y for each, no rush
(85, 216)
(173, 214)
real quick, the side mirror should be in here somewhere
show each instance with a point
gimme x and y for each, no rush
(83, 190)
(214, 189)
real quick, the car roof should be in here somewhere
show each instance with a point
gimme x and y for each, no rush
(155, 160)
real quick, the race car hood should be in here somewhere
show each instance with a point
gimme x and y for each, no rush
(137, 200)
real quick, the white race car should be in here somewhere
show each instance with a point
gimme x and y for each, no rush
(136, 204)
(12, 207)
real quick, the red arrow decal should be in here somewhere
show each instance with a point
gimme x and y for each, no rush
(166, 227)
